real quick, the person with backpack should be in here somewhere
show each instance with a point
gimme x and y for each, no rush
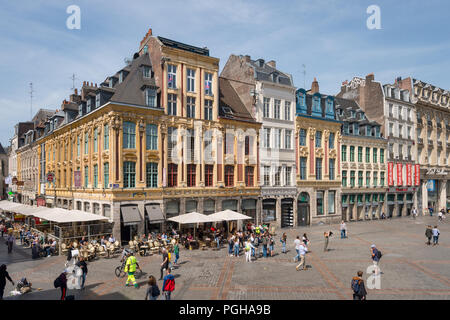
(436, 234)
(168, 284)
(152, 291)
(3, 276)
(358, 287)
(61, 282)
(376, 255)
(283, 242)
(429, 234)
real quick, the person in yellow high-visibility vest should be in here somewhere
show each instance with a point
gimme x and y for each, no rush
(130, 267)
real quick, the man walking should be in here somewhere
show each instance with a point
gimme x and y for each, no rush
(297, 244)
(414, 212)
(168, 284)
(436, 234)
(10, 241)
(343, 230)
(327, 235)
(428, 234)
(358, 287)
(302, 253)
(130, 267)
(376, 256)
(83, 266)
(165, 263)
(3, 276)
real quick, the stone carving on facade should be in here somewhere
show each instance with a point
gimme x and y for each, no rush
(332, 154)
(303, 151)
(319, 152)
(312, 133)
(326, 134)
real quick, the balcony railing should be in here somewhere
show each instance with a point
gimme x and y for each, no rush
(430, 123)
(419, 141)
(430, 142)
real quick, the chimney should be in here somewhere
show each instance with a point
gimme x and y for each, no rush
(344, 86)
(272, 63)
(370, 77)
(145, 39)
(314, 86)
(247, 58)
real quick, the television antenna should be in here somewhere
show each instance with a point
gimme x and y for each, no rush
(73, 78)
(31, 100)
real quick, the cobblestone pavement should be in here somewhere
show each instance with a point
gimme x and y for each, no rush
(411, 269)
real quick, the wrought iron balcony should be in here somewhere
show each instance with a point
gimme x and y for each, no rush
(419, 141)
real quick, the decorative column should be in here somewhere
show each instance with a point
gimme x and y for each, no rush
(311, 133)
(424, 196)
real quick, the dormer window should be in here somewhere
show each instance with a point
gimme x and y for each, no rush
(329, 112)
(352, 113)
(150, 97)
(146, 72)
(316, 109)
(80, 110)
(97, 100)
(111, 82)
(88, 105)
(301, 102)
(274, 77)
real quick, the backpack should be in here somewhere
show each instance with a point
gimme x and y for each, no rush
(170, 285)
(58, 282)
(155, 291)
(379, 255)
(356, 285)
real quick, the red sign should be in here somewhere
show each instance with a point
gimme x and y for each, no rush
(417, 174)
(50, 177)
(408, 174)
(399, 174)
(390, 173)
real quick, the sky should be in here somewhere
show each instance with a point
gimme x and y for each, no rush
(329, 37)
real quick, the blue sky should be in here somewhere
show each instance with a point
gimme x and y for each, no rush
(329, 36)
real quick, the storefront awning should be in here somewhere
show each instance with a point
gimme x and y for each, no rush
(154, 213)
(130, 215)
(7, 205)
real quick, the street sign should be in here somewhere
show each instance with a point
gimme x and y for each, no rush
(50, 177)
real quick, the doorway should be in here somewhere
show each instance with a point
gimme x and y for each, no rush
(303, 209)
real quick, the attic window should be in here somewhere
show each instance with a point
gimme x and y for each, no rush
(150, 97)
(274, 77)
(110, 82)
(146, 72)
(88, 105)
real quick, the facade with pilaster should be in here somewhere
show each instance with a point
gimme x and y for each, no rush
(318, 141)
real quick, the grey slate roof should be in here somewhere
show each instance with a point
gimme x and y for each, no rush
(130, 90)
(2, 151)
(265, 72)
(183, 46)
(229, 98)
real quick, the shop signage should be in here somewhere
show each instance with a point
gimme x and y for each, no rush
(438, 172)
(399, 174)
(50, 177)
(40, 202)
(408, 174)
(390, 173)
(431, 185)
(417, 174)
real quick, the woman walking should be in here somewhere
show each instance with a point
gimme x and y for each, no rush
(152, 290)
(283, 242)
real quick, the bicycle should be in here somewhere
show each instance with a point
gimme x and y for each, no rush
(120, 273)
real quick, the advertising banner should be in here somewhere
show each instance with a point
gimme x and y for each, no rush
(417, 175)
(399, 174)
(408, 174)
(390, 173)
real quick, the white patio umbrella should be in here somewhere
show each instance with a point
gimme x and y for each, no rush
(192, 217)
(228, 215)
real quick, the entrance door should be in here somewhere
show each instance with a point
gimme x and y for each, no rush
(303, 209)
(287, 213)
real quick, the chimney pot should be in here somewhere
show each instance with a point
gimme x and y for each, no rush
(315, 86)
(370, 77)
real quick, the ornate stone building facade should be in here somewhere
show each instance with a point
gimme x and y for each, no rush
(363, 165)
(318, 140)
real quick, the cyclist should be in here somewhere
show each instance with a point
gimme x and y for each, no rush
(130, 268)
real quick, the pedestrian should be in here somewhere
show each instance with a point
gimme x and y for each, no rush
(256, 248)
(152, 290)
(429, 234)
(436, 234)
(176, 251)
(2, 228)
(358, 287)
(3, 276)
(230, 245)
(83, 266)
(168, 284)
(271, 245)
(327, 236)
(343, 230)
(440, 214)
(248, 250)
(305, 239)
(21, 234)
(430, 209)
(236, 246)
(376, 256)
(283, 242)
(297, 244)
(131, 265)
(414, 212)
(10, 241)
(264, 245)
(61, 282)
(302, 253)
(165, 263)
